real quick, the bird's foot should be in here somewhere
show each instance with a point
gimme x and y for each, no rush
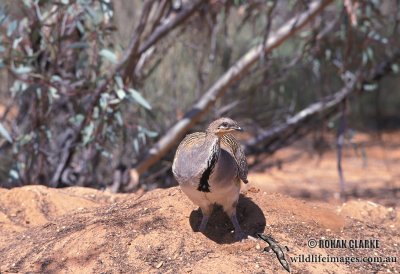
(240, 235)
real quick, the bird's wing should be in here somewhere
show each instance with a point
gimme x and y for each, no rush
(192, 158)
(229, 143)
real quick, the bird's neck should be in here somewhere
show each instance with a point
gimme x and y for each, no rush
(213, 137)
(215, 140)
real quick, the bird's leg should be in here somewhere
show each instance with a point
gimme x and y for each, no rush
(206, 210)
(239, 234)
(203, 223)
(230, 209)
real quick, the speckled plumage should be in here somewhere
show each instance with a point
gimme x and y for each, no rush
(198, 150)
(209, 166)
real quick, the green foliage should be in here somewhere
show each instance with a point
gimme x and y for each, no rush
(57, 53)
(4, 133)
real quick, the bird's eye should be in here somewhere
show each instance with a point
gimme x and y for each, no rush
(224, 124)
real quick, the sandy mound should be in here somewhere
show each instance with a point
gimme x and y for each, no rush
(77, 230)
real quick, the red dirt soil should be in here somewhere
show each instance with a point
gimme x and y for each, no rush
(79, 230)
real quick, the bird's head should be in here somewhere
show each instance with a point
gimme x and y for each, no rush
(223, 126)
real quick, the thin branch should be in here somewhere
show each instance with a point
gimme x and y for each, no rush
(230, 77)
(159, 32)
(162, 7)
(132, 51)
(273, 138)
(340, 142)
(170, 23)
(268, 25)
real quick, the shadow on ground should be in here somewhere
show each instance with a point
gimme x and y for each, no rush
(220, 228)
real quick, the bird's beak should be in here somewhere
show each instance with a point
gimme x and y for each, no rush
(238, 128)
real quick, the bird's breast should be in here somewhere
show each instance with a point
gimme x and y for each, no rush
(225, 171)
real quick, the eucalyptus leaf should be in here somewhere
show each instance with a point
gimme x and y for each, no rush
(118, 116)
(136, 145)
(364, 58)
(106, 154)
(78, 45)
(16, 42)
(22, 70)
(151, 134)
(115, 101)
(39, 92)
(139, 98)
(119, 81)
(328, 54)
(5, 134)
(54, 93)
(104, 101)
(121, 94)
(56, 78)
(28, 3)
(14, 174)
(370, 87)
(370, 53)
(38, 13)
(80, 27)
(77, 119)
(48, 134)
(11, 27)
(142, 137)
(88, 133)
(95, 113)
(109, 55)
(395, 68)
(25, 139)
(17, 86)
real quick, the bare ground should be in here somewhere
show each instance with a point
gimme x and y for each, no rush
(79, 230)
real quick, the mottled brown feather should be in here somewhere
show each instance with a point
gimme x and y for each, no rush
(227, 141)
